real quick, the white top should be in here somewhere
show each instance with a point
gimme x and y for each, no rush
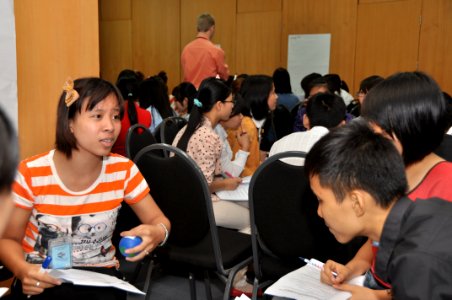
(232, 167)
(346, 96)
(259, 124)
(298, 141)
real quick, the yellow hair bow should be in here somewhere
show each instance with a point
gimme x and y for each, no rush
(71, 94)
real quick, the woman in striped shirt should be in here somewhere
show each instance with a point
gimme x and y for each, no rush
(71, 196)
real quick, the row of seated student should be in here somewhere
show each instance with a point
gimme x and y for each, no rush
(150, 100)
(424, 168)
(78, 149)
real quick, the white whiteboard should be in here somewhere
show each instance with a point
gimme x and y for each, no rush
(307, 53)
(8, 70)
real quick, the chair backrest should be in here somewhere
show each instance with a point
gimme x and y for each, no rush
(280, 198)
(170, 127)
(138, 137)
(276, 127)
(180, 190)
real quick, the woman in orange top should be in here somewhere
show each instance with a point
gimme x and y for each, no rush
(258, 91)
(69, 198)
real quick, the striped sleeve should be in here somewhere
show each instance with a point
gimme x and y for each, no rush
(136, 187)
(23, 195)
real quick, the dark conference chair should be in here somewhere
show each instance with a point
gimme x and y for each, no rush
(138, 137)
(284, 222)
(196, 245)
(170, 127)
(279, 224)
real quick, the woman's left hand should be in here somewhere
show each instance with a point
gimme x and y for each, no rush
(152, 236)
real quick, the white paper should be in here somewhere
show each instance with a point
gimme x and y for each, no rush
(307, 53)
(89, 278)
(239, 194)
(305, 284)
(3, 290)
(242, 297)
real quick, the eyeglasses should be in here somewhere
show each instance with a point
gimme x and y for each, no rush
(231, 101)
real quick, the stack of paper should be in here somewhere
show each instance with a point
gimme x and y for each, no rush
(304, 283)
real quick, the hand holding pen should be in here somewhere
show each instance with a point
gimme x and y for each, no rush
(230, 182)
(34, 282)
(334, 273)
(331, 272)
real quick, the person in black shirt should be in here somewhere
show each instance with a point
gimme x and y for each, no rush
(359, 179)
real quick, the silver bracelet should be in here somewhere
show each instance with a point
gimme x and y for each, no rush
(166, 235)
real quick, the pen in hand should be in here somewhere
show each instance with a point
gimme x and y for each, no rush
(317, 264)
(45, 265)
(228, 175)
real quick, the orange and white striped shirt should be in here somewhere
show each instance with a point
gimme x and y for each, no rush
(87, 217)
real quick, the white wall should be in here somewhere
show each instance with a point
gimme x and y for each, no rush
(8, 69)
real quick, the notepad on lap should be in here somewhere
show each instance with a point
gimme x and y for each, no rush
(304, 283)
(239, 194)
(89, 278)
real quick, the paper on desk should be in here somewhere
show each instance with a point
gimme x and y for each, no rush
(239, 194)
(83, 277)
(3, 290)
(304, 283)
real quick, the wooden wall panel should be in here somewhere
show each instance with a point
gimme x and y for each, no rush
(435, 45)
(156, 38)
(224, 12)
(244, 6)
(258, 42)
(324, 16)
(387, 37)
(115, 48)
(50, 47)
(113, 10)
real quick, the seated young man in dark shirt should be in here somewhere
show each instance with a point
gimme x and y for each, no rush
(359, 179)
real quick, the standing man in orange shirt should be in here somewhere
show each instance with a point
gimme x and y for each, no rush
(201, 58)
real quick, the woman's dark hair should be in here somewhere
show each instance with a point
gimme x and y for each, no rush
(185, 90)
(369, 82)
(255, 91)
(92, 90)
(152, 91)
(325, 109)
(316, 82)
(306, 83)
(343, 158)
(334, 82)
(448, 100)
(164, 76)
(239, 105)
(127, 84)
(210, 92)
(281, 79)
(411, 107)
(237, 83)
(9, 153)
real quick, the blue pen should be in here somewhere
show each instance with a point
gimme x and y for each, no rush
(316, 263)
(45, 264)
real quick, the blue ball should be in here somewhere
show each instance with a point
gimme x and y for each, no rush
(128, 242)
